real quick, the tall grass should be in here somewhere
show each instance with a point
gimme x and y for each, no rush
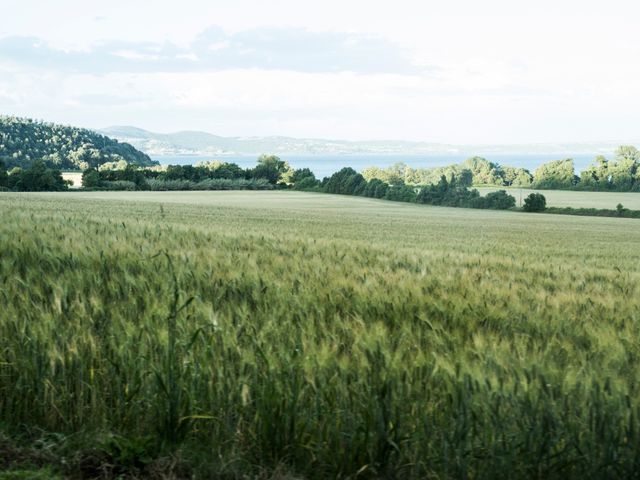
(393, 343)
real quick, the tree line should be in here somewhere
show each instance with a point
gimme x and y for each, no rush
(36, 178)
(447, 192)
(621, 174)
(270, 172)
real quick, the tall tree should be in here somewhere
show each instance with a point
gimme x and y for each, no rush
(273, 169)
(4, 176)
(558, 174)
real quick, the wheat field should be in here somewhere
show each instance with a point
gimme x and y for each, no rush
(320, 335)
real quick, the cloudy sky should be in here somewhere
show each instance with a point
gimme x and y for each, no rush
(461, 72)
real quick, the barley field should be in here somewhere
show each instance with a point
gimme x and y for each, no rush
(266, 334)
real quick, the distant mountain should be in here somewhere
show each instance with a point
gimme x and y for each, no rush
(201, 143)
(22, 141)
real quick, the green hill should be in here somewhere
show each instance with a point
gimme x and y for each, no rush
(22, 141)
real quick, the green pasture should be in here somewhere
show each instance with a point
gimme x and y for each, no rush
(574, 199)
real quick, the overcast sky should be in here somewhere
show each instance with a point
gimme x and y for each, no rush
(442, 71)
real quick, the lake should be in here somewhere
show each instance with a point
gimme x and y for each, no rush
(325, 165)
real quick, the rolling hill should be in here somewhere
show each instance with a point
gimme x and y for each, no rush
(202, 143)
(23, 141)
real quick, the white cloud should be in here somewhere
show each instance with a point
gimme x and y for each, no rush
(504, 71)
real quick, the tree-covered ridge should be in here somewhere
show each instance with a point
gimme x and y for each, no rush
(24, 141)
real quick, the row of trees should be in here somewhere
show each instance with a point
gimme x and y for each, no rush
(36, 178)
(473, 171)
(620, 174)
(269, 171)
(447, 192)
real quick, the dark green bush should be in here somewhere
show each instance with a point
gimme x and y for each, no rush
(535, 202)
(499, 200)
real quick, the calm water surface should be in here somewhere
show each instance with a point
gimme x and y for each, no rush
(325, 165)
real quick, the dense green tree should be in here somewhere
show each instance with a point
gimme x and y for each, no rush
(463, 177)
(4, 176)
(131, 174)
(622, 174)
(304, 179)
(516, 177)
(395, 174)
(400, 193)
(535, 202)
(449, 194)
(346, 182)
(371, 173)
(91, 178)
(558, 174)
(229, 170)
(306, 183)
(499, 200)
(627, 152)
(273, 169)
(376, 188)
(37, 178)
(453, 173)
(401, 173)
(484, 172)
(596, 175)
(300, 174)
(115, 165)
(266, 171)
(355, 185)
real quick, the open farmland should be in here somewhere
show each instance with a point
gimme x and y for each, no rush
(241, 333)
(574, 199)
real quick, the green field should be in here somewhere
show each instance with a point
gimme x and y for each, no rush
(238, 334)
(75, 177)
(575, 199)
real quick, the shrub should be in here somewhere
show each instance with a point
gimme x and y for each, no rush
(169, 185)
(306, 183)
(119, 185)
(535, 202)
(209, 184)
(499, 200)
(91, 178)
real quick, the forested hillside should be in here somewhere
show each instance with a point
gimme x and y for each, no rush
(23, 141)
